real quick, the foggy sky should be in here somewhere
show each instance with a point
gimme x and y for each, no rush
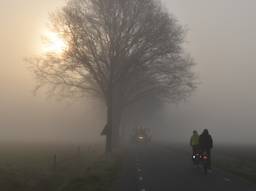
(24, 117)
(221, 38)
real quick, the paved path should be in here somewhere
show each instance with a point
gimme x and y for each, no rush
(162, 168)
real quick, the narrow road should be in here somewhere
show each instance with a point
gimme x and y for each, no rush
(162, 168)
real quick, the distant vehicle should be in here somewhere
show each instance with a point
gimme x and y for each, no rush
(141, 136)
(143, 139)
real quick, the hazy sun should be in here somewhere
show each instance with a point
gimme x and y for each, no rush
(53, 43)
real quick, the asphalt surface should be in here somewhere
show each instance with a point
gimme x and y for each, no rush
(168, 168)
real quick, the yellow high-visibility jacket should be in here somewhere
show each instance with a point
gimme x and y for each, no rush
(194, 141)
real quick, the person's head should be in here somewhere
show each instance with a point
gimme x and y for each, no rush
(206, 132)
(195, 132)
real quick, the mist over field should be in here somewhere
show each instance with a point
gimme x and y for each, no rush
(106, 95)
(222, 43)
(221, 38)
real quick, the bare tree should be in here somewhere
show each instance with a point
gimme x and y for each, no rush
(121, 51)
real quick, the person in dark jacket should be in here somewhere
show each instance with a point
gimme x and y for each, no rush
(206, 144)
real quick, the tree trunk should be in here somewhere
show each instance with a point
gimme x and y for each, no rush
(113, 128)
(109, 130)
(114, 113)
(116, 120)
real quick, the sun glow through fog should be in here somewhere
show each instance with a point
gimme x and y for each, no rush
(53, 43)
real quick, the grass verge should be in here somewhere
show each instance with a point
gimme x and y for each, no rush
(242, 168)
(98, 177)
(32, 169)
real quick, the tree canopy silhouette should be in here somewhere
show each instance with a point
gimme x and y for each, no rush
(121, 51)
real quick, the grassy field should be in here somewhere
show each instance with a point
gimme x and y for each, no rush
(52, 167)
(28, 167)
(238, 160)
